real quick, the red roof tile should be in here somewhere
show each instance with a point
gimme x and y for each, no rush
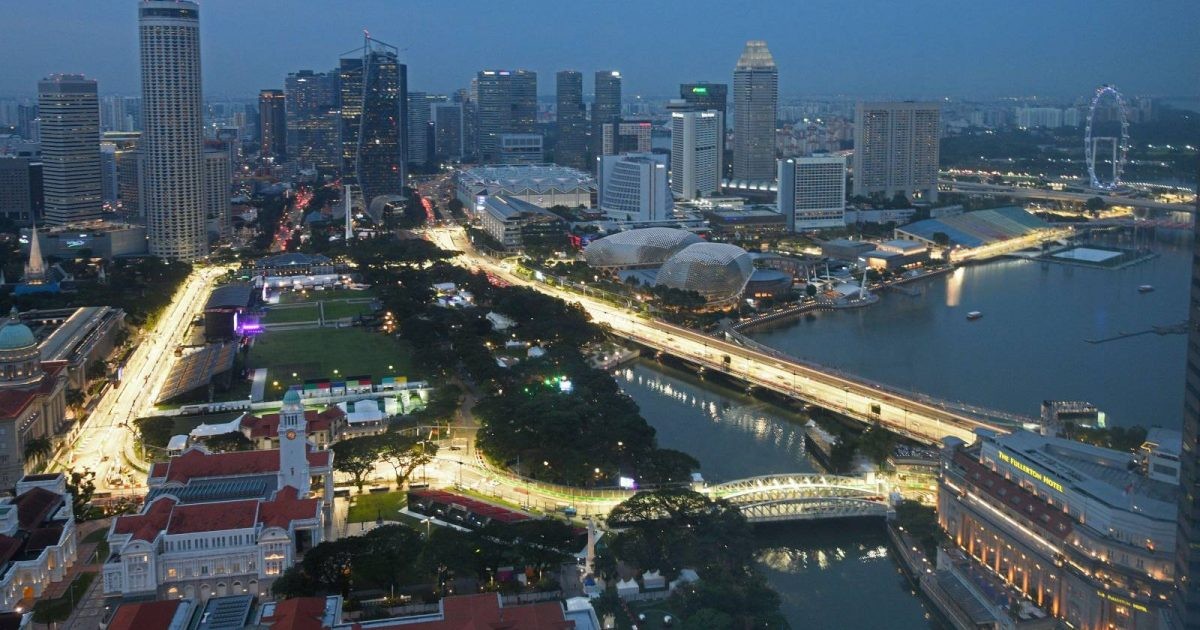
(144, 615)
(149, 523)
(286, 507)
(1015, 498)
(36, 506)
(212, 517)
(267, 425)
(484, 612)
(301, 613)
(195, 463)
(9, 548)
(14, 401)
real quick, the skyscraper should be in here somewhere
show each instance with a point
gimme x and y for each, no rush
(812, 192)
(1187, 537)
(448, 131)
(570, 121)
(311, 103)
(70, 113)
(704, 95)
(507, 103)
(374, 133)
(626, 136)
(217, 184)
(272, 124)
(633, 187)
(606, 108)
(695, 153)
(418, 127)
(172, 120)
(896, 149)
(755, 106)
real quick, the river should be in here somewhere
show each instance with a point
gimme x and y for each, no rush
(822, 571)
(1031, 343)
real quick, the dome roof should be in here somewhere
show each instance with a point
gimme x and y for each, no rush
(717, 271)
(647, 246)
(16, 336)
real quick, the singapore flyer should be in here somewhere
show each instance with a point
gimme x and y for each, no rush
(1119, 145)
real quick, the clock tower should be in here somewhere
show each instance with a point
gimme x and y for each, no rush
(293, 444)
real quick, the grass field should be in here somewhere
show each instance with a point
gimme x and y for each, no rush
(291, 314)
(318, 352)
(368, 507)
(297, 297)
(340, 309)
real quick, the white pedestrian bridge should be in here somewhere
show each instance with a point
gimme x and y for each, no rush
(806, 496)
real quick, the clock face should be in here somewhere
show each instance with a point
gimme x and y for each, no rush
(291, 435)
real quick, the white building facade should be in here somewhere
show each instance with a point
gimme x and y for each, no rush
(696, 153)
(634, 187)
(812, 192)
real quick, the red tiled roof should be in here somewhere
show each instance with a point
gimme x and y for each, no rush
(35, 506)
(41, 538)
(144, 615)
(14, 401)
(9, 548)
(159, 470)
(195, 463)
(267, 425)
(1015, 498)
(286, 507)
(484, 612)
(149, 523)
(301, 613)
(211, 517)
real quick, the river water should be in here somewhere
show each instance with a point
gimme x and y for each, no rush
(1031, 343)
(829, 575)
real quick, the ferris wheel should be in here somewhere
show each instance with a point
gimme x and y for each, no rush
(1119, 144)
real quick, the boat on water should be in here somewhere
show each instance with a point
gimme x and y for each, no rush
(1145, 288)
(974, 315)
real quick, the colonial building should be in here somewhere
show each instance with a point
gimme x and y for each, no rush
(224, 523)
(37, 539)
(32, 401)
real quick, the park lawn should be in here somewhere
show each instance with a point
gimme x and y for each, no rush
(292, 314)
(368, 507)
(315, 353)
(312, 297)
(339, 309)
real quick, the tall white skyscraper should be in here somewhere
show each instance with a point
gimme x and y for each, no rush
(755, 109)
(71, 173)
(633, 186)
(896, 149)
(172, 127)
(217, 184)
(696, 147)
(812, 192)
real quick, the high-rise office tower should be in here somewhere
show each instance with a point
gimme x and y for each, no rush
(896, 149)
(217, 184)
(448, 131)
(374, 132)
(695, 153)
(272, 124)
(172, 128)
(1187, 537)
(704, 95)
(633, 186)
(468, 99)
(18, 188)
(27, 121)
(311, 104)
(812, 192)
(755, 107)
(112, 114)
(127, 159)
(606, 108)
(70, 112)
(418, 127)
(507, 103)
(570, 120)
(625, 136)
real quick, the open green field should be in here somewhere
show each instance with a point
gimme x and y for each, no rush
(339, 309)
(291, 314)
(327, 353)
(368, 507)
(297, 297)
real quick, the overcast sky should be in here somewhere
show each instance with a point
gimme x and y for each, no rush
(900, 48)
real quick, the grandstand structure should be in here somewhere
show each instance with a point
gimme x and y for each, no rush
(211, 366)
(974, 229)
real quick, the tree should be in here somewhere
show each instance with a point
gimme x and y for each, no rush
(75, 399)
(155, 430)
(810, 290)
(708, 619)
(355, 457)
(404, 454)
(38, 448)
(81, 485)
(941, 239)
(227, 442)
(1095, 205)
(97, 370)
(877, 444)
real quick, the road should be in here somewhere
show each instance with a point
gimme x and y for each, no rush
(1059, 195)
(107, 432)
(917, 416)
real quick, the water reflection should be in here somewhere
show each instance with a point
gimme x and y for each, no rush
(954, 287)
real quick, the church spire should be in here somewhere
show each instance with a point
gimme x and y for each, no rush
(35, 267)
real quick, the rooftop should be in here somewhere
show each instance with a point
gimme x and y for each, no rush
(235, 295)
(197, 463)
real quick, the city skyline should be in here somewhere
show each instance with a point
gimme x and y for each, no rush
(940, 49)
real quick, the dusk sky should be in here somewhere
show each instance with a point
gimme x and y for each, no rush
(912, 48)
